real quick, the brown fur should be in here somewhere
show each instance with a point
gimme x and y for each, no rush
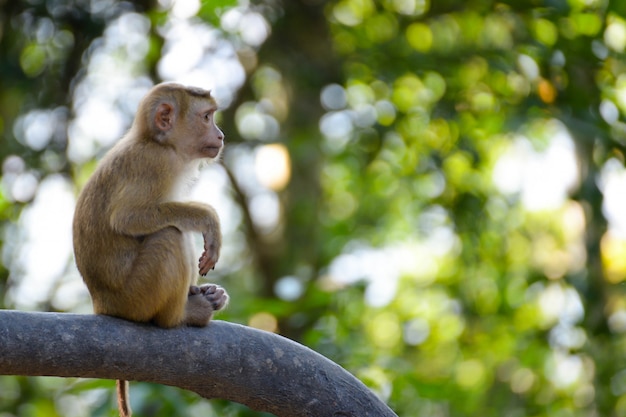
(131, 233)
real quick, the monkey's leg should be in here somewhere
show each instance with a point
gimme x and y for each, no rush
(158, 283)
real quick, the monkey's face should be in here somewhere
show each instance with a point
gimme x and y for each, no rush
(213, 140)
(202, 138)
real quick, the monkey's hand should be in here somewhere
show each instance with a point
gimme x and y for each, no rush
(210, 255)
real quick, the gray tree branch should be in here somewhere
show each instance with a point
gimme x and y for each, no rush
(262, 370)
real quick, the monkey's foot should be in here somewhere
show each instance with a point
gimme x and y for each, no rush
(214, 294)
(202, 302)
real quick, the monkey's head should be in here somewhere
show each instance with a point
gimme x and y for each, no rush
(182, 118)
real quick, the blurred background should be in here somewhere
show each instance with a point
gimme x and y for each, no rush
(431, 194)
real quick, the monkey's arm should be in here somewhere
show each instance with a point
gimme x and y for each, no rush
(141, 204)
(140, 220)
(137, 220)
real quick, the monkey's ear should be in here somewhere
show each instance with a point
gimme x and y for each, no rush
(164, 117)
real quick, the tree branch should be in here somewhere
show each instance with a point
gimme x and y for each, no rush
(262, 370)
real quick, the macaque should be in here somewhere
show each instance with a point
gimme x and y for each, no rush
(132, 233)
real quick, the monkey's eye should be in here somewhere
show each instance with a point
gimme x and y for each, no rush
(208, 116)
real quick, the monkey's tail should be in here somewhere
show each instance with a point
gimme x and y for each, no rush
(123, 402)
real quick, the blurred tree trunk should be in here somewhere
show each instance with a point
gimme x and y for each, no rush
(300, 48)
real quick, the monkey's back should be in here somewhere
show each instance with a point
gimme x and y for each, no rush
(125, 179)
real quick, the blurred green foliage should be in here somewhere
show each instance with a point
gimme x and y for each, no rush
(445, 227)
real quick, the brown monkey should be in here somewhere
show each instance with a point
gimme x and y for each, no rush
(131, 231)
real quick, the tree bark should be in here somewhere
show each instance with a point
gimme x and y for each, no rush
(262, 370)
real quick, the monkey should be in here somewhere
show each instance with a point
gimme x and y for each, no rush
(131, 228)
